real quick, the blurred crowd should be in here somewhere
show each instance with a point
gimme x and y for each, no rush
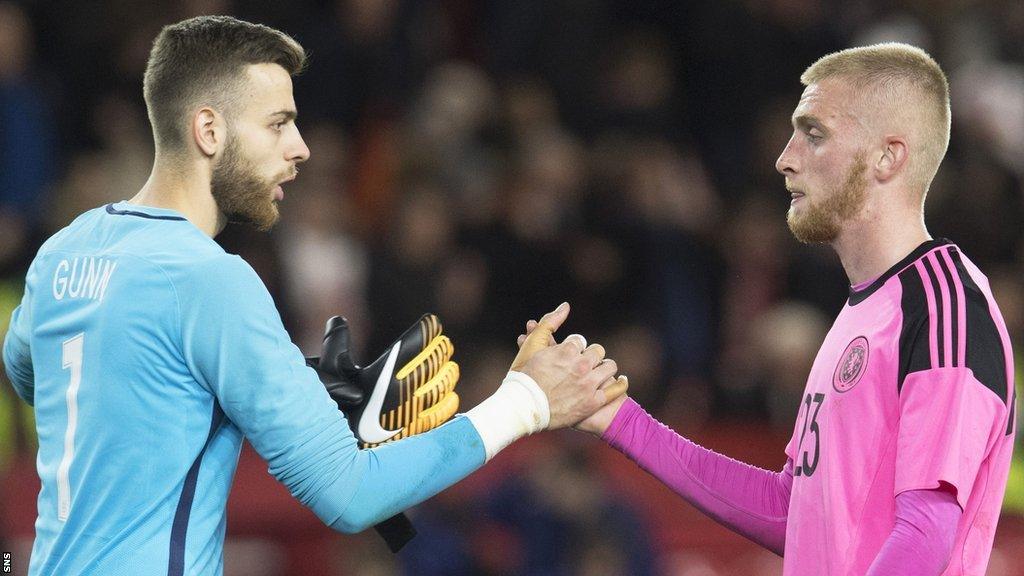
(486, 160)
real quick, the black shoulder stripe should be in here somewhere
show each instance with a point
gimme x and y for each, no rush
(986, 356)
(939, 311)
(954, 316)
(914, 353)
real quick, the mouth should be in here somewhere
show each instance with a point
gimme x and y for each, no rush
(279, 190)
(795, 196)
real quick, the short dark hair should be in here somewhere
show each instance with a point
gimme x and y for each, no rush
(201, 60)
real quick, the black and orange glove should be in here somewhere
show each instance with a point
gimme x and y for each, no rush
(407, 390)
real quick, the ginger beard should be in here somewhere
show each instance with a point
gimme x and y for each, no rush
(822, 221)
(241, 194)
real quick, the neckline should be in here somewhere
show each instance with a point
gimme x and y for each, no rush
(858, 296)
(123, 208)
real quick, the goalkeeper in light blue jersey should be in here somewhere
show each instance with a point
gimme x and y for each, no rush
(149, 353)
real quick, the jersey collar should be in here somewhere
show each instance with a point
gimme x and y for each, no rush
(152, 213)
(858, 296)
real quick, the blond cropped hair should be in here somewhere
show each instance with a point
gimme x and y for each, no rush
(904, 88)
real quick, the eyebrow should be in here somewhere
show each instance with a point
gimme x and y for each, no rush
(807, 121)
(285, 115)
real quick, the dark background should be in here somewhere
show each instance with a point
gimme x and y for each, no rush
(485, 161)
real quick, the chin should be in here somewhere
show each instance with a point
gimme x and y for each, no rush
(262, 219)
(270, 219)
(812, 233)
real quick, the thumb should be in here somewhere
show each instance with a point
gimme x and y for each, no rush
(334, 352)
(541, 336)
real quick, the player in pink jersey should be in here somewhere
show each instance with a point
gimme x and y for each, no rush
(901, 449)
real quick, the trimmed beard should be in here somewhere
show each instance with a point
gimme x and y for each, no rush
(241, 194)
(823, 221)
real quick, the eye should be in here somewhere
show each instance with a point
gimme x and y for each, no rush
(278, 125)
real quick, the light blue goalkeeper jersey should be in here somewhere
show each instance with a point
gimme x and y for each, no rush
(149, 353)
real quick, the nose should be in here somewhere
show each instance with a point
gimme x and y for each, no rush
(786, 164)
(299, 152)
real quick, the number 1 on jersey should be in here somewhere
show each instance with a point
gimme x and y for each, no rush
(71, 359)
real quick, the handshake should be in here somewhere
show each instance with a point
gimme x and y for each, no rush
(411, 387)
(578, 380)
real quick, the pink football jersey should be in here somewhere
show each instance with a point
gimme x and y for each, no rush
(912, 389)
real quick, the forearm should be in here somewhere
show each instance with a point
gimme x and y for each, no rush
(922, 538)
(401, 474)
(749, 500)
(398, 475)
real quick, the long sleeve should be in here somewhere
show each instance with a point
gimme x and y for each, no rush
(749, 500)
(234, 342)
(923, 536)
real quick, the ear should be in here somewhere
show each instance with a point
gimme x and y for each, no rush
(893, 159)
(208, 131)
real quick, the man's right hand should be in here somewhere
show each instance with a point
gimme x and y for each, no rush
(577, 379)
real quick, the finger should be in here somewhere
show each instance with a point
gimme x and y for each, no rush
(424, 332)
(429, 360)
(581, 337)
(522, 338)
(553, 320)
(541, 336)
(604, 370)
(438, 387)
(594, 353)
(576, 340)
(430, 327)
(334, 353)
(609, 392)
(436, 415)
(530, 326)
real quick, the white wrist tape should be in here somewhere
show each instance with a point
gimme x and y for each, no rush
(517, 408)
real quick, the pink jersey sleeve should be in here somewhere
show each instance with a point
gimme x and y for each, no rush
(947, 421)
(751, 501)
(922, 539)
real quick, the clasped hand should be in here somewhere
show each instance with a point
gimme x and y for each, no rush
(577, 379)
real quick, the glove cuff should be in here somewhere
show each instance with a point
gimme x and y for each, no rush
(517, 408)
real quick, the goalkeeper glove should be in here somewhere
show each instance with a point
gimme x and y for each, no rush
(407, 390)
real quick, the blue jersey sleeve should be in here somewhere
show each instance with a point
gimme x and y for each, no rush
(17, 353)
(236, 346)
